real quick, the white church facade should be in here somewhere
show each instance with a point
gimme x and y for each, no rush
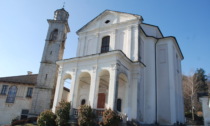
(128, 66)
(122, 63)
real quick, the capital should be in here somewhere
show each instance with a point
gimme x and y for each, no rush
(115, 66)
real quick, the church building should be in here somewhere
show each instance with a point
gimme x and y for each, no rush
(121, 63)
(127, 65)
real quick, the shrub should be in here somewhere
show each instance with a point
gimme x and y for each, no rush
(14, 120)
(46, 118)
(110, 118)
(62, 113)
(19, 122)
(31, 119)
(133, 123)
(86, 116)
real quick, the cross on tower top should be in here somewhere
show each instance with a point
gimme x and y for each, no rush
(64, 4)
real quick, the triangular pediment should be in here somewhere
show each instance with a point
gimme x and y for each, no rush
(107, 18)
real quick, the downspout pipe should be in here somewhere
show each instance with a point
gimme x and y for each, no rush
(156, 93)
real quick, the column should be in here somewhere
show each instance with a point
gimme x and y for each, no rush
(73, 97)
(113, 86)
(73, 88)
(93, 87)
(127, 95)
(58, 90)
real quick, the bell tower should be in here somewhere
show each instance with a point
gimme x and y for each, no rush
(53, 51)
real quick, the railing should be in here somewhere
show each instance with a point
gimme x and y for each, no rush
(122, 116)
(98, 112)
(75, 112)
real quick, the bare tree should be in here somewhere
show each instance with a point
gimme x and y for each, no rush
(189, 94)
(192, 85)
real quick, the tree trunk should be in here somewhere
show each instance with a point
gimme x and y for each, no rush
(192, 105)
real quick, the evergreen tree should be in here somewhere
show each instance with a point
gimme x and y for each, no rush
(200, 80)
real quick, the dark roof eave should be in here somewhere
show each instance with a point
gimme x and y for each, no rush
(165, 38)
(156, 27)
(13, 82)
(22, 79)
(66, 89)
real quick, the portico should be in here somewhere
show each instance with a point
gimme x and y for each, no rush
(100, 80)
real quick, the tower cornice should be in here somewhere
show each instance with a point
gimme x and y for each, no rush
(61, 22)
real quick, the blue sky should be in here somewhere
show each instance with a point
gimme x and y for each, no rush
(24, 27)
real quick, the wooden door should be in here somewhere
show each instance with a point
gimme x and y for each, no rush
(101, 100)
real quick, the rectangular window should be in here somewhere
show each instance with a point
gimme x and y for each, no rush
(24, 114)
(11, 94)
(29, 92)
(105, 44)
(4, 90)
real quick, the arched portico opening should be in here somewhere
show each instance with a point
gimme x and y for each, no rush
(67, 87)
(103, 89)
(121, 95)
(83, 89)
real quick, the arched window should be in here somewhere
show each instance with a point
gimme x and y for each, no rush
(119, 104)
(54, 35)
(105, 44)
(11, 94)
(83, 102)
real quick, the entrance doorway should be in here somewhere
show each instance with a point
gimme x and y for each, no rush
(101, 100)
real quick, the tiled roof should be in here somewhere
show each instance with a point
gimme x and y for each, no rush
(66, 89)
(23, 79)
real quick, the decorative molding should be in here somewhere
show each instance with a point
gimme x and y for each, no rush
(96, 35)
(136, 75)
(124, 71)
(115, 66)
(74, 70)
(94, 68)
(60, 70)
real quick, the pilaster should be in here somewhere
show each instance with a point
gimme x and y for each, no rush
(58, 90)
(134, 90)
(113, 86)
(74, 88)
(129, 42)
(93, 86)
